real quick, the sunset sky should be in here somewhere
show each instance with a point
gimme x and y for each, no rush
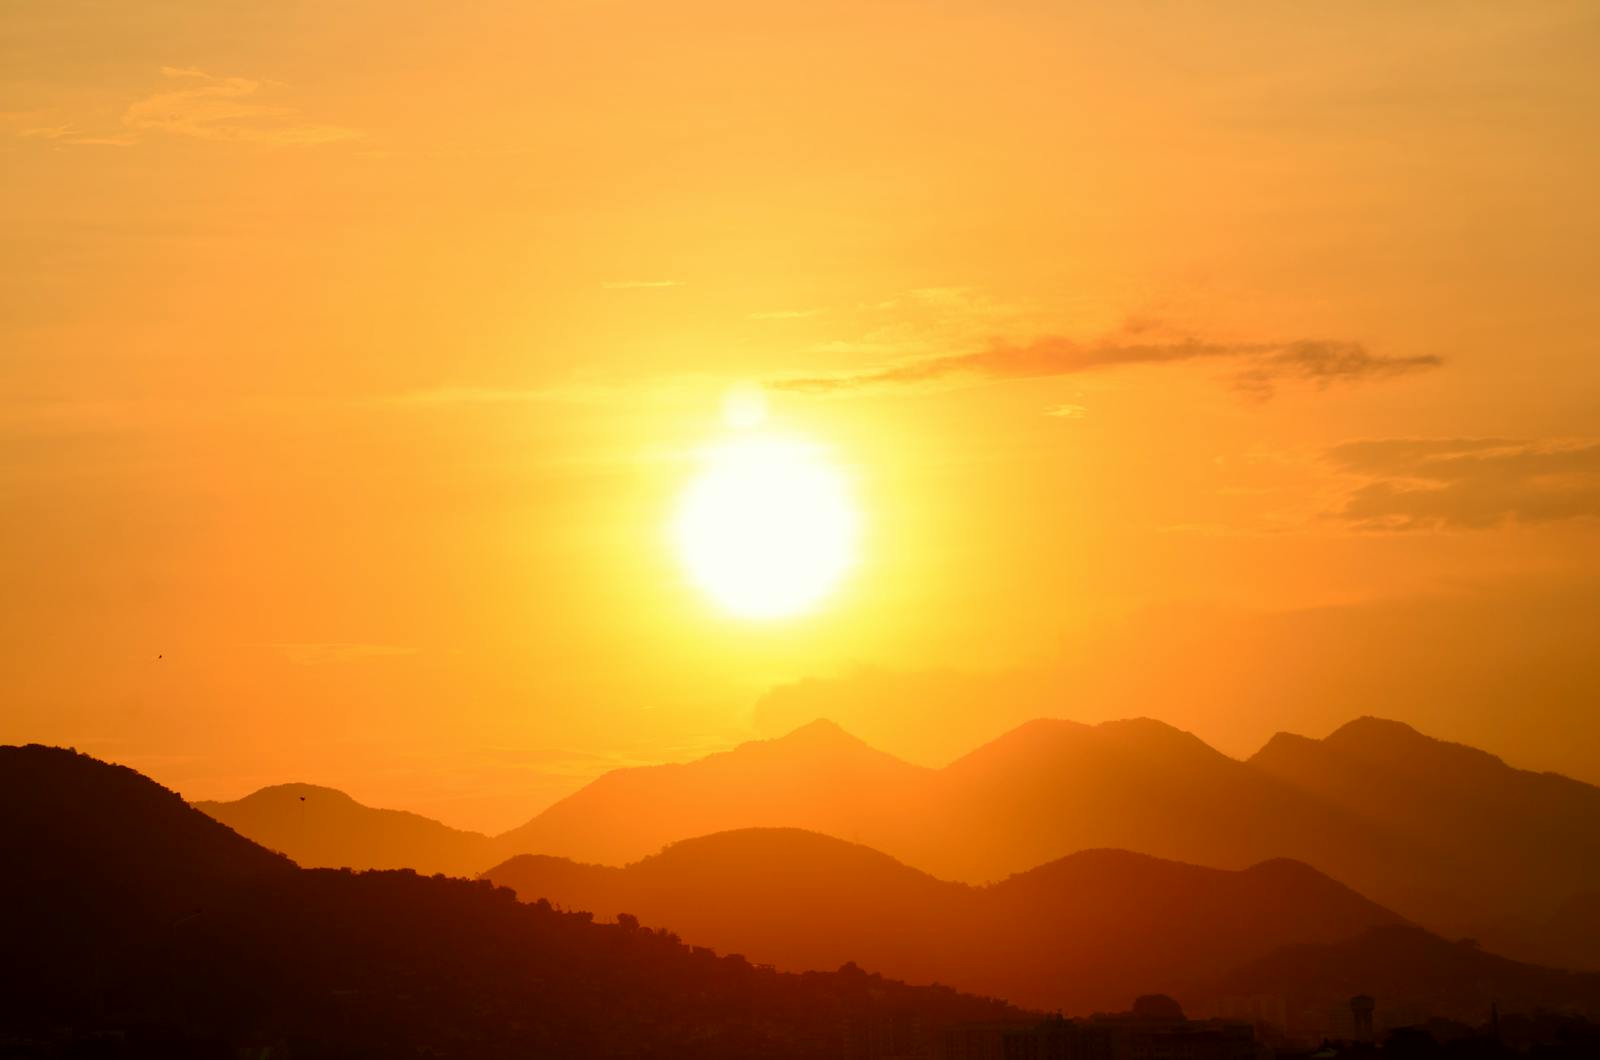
(1239, 372)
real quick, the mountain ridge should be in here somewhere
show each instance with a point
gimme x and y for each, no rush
(136, 925)
(1078, 933)
(322, 827)
(1419, 824)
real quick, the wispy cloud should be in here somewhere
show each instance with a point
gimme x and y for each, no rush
(201, 106)
(46, 132)
(1067, 412)
(1468, 483)
(1259, 366)
(225, 108)
(42, 125)
(633, 285)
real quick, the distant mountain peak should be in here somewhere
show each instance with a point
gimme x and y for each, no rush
(1050, 725)
(324, 827)
(1370, 735)
(1369, 727)
(1032, 733)
(1141, 728)
(1367, 733)
(1153, 730)
(1045, 740)
(821, 736)
(294, 791)
(818, 730)
(1283, 744)
(784, 844)
(1100, 859)
(1286, 868)
(1142, 724)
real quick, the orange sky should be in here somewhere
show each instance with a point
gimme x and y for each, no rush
(1234, 366)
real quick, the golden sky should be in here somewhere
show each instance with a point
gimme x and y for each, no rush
(1230, 364)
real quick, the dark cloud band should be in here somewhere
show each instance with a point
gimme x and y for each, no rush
(1468, 483)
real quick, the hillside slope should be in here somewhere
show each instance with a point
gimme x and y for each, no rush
(137, 926)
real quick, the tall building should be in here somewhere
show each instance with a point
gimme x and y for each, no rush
(1361, 1009)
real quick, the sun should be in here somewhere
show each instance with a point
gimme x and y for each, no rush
(768, 527)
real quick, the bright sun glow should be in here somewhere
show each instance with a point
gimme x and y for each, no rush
(767, 528)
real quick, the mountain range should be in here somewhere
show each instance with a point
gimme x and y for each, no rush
(1446, 836)
(1083, 933)
(134, 925)
(133, 920)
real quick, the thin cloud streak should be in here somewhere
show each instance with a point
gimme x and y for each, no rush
(1262, 366)
(223, 108)
(200, 106)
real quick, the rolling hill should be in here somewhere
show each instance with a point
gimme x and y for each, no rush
(1447, 836)
(1479, 848)
(1083, 933)
(324, 828)
(818, 777)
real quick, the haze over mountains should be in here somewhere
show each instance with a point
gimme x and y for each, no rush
(127, 911)
(1446, 836)
(1080, 934)
(1497, 852)
(323, 827)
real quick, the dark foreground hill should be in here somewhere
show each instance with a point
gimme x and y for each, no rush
(1080, 934)
(324, 828)
(134, 925)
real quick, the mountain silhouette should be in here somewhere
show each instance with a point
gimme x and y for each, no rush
(1510, 855)
(817, 777)
(1052, 787)
(324, 828)
(1447, 836)
(1043, 790)
(104, 848)
(1083, 933)
(137, 926)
